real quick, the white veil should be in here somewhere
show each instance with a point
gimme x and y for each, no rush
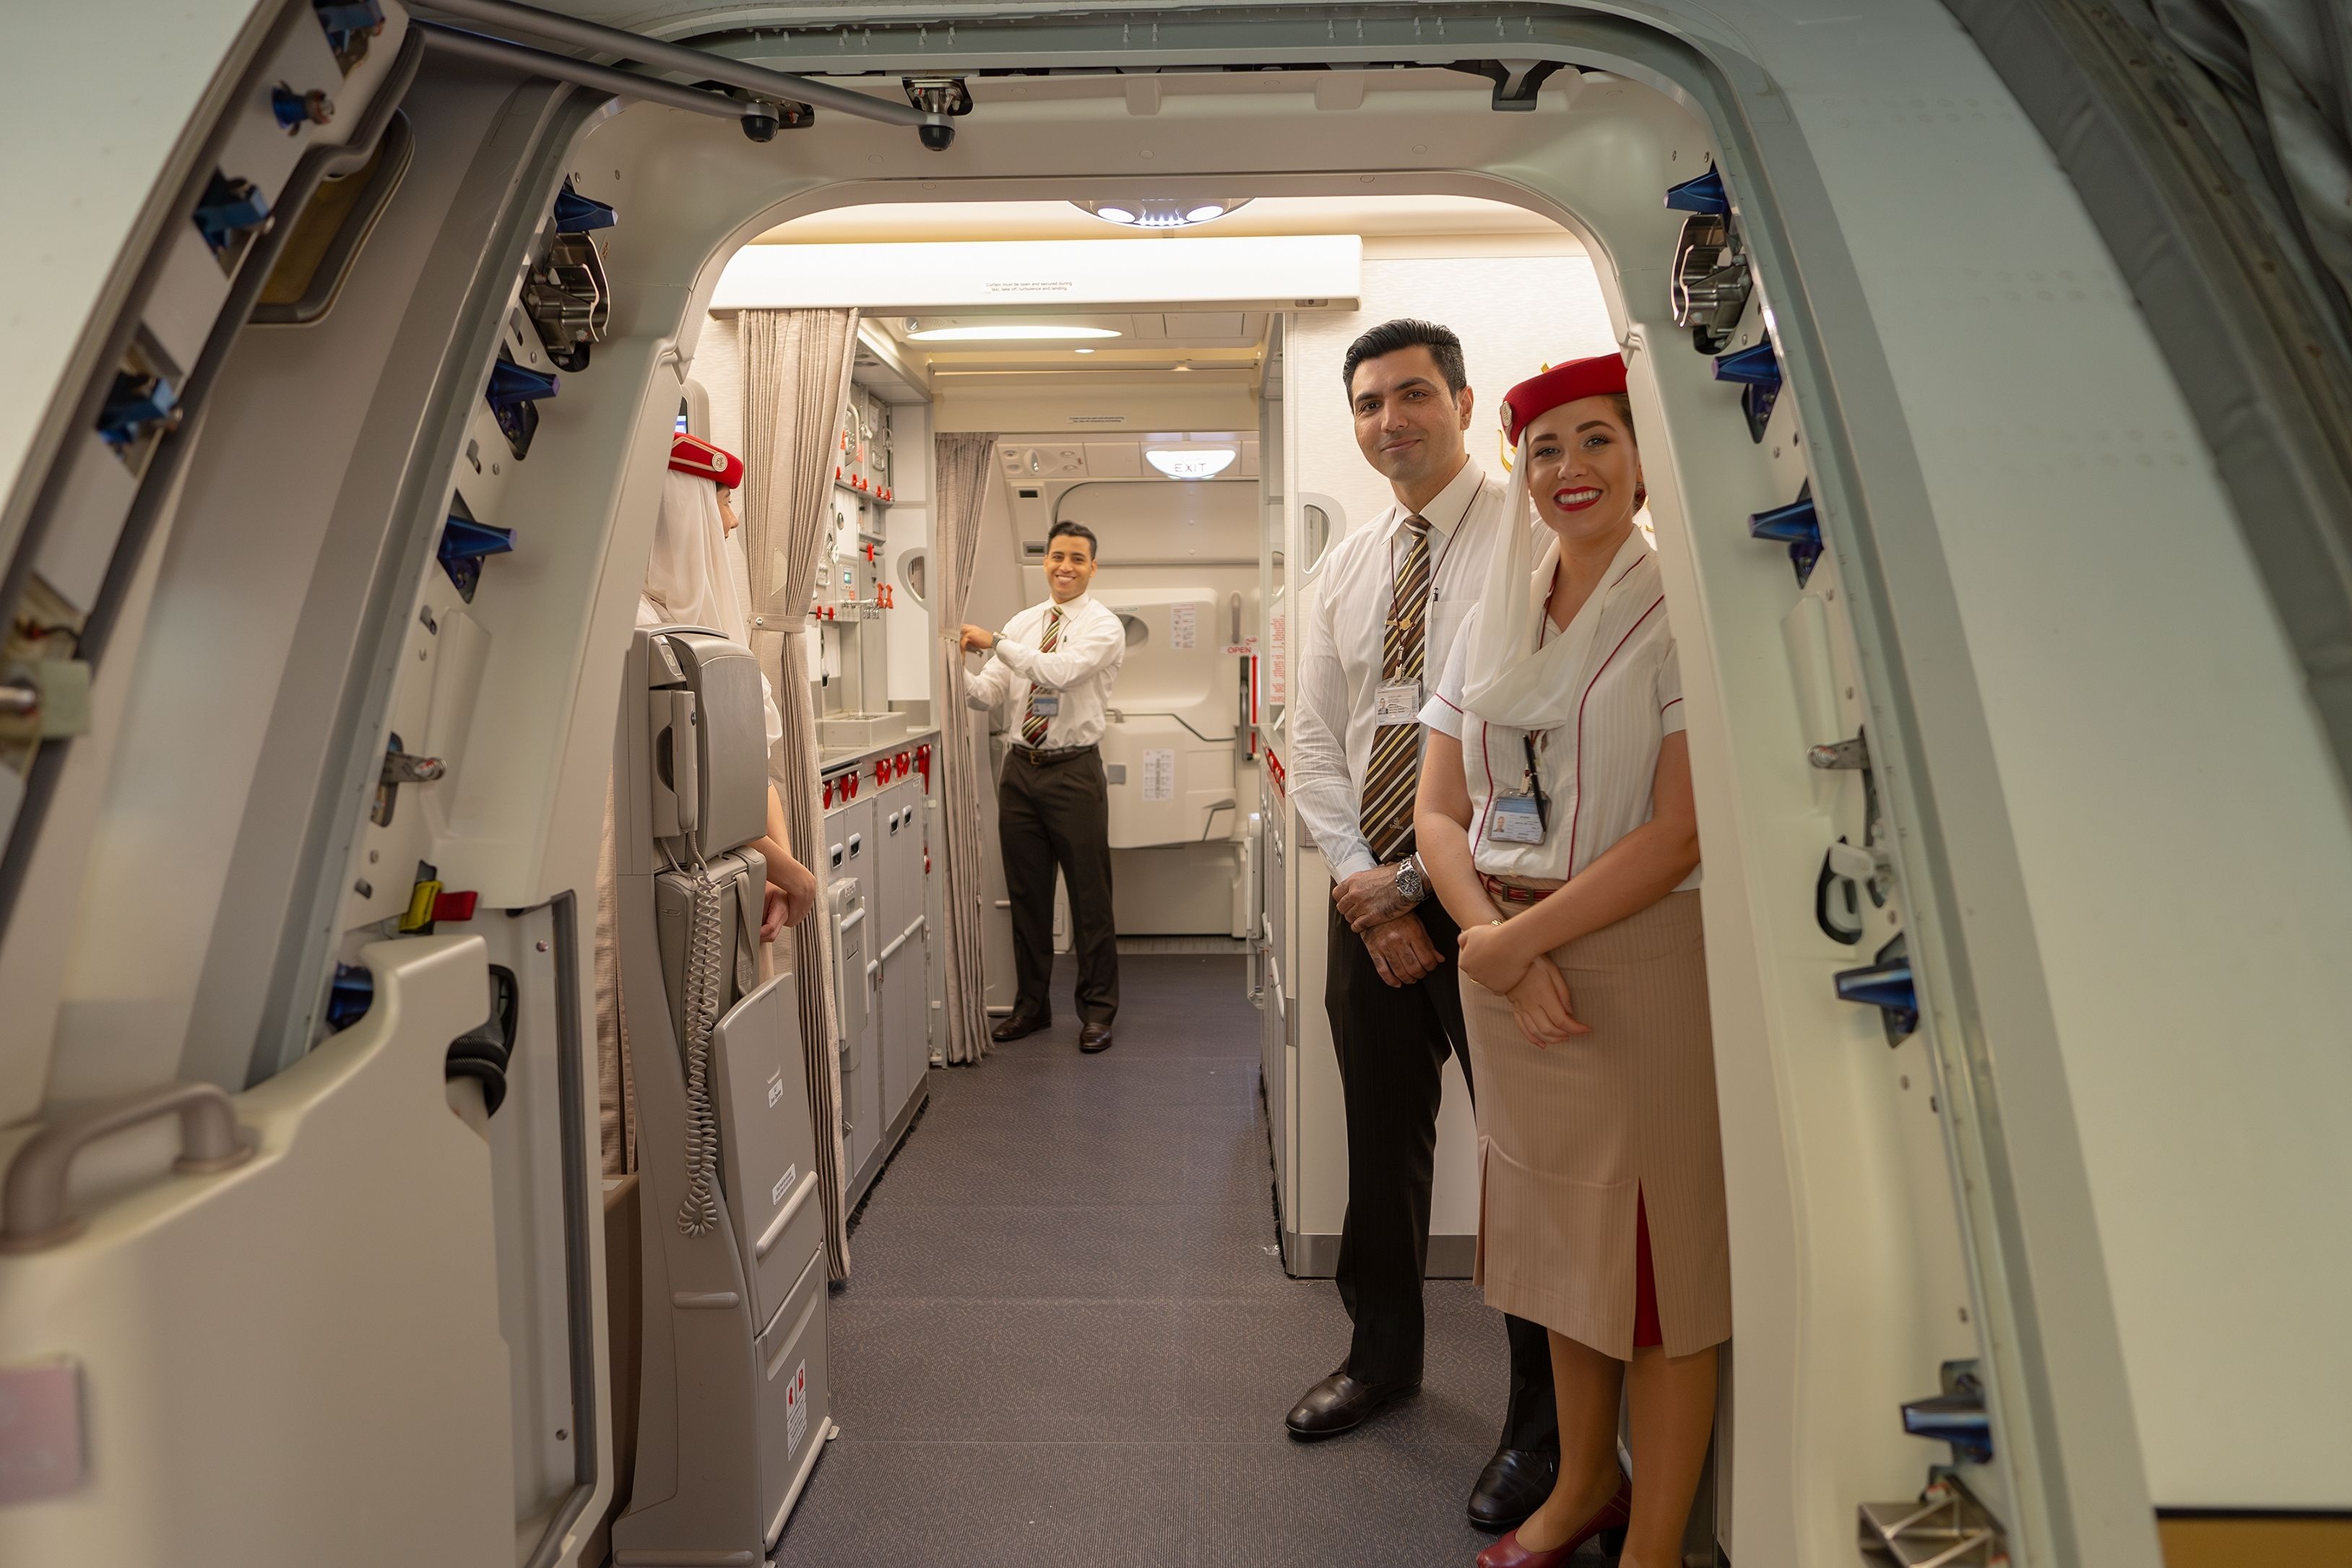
(687, 578)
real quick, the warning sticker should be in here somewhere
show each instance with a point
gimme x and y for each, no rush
(1182, 626)
(1159, 774)
(796, 1410)
(785, 1182)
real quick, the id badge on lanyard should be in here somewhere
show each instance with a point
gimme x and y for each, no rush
(1522, 816)
(1045, 705)
(1397, 702)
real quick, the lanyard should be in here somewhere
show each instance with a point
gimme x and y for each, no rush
(1435, 566)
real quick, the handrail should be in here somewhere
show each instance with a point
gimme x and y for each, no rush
(33, 1213)
(548, 28)
(901, 939)
(488, 50)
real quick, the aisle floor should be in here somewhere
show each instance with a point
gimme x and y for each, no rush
(1067, 1338)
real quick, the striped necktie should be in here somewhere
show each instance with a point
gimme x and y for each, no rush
(1033, 723)
(1394, 773)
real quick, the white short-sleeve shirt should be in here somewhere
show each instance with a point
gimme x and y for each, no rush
(1596, 770)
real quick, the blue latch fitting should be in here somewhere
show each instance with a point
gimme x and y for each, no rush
(135, 405)
(1957, 1415)
(1756, 366)
(295, 110)
(1704, 195)
(1887, 985)
(511, 383)
(514, 394)
(1757, 370)
(464, 544)
(1796, 525)
(350, 996)
(576, 214)
(230, 208)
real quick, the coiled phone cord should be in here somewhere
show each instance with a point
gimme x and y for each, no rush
(706, 977)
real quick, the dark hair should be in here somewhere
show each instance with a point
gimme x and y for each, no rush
(1408, 332)
(1077, 529)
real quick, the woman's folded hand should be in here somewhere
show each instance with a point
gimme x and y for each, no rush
(1540, 1004)
(1491, 957)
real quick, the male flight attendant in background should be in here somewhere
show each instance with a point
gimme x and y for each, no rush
(1392, 598)
(1056, 663)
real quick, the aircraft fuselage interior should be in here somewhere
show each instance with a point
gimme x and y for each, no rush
(1994, 399)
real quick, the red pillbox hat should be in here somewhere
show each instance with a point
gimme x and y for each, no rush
(692, 455)
(1596, 377)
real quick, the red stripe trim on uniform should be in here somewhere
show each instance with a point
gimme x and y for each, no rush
(1668, 704)
(1488, 762)
(1441, 697)
(1587, 697)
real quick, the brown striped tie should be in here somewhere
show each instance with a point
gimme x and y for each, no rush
(1033, 723)
(1394, 773)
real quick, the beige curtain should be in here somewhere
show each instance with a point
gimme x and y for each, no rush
(796, 366)
(961, 469)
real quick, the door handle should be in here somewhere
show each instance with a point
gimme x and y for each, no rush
(32, 1204)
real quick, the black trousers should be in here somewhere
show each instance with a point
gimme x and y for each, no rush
(1049, 813)
(1392, 1042)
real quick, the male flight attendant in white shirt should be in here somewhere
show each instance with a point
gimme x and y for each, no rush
(1054, 666)
(1394, 594)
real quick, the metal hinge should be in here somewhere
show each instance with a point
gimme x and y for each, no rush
(404, 767)
(45, 699)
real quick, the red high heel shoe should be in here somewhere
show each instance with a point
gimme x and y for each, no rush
(1614, 1514)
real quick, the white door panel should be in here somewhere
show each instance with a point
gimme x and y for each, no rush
(297, 1360)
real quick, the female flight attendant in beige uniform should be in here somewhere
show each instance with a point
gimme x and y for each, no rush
(1555, 820)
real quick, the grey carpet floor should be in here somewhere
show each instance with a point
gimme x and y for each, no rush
(1067, 1338)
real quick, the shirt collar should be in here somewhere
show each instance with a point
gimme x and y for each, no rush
(1447, 509)
(1072, 608)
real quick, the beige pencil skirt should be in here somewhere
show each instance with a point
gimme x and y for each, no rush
(1570, 1135)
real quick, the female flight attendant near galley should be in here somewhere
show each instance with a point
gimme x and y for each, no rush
(1556, 821)
(691, 581)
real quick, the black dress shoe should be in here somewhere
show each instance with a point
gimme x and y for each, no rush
(1341, 1402)
(1512, 1485)
(1093, 1037)
(1016, 1026)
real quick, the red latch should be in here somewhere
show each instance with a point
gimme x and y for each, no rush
(454, 905)
(923, 764)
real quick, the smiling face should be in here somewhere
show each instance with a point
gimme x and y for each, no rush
(1409, 423)
(1069, 566)
(1584, 471)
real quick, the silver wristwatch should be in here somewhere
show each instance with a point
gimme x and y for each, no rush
(1411, 884)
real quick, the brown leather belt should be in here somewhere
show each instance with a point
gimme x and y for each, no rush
(1038, 757)
(1515, 891)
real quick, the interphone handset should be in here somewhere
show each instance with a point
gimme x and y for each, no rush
(678, 765)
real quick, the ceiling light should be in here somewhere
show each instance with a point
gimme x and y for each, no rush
(1008, 332)
(1162, 212)
(1191, 462)
(1082, 351)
